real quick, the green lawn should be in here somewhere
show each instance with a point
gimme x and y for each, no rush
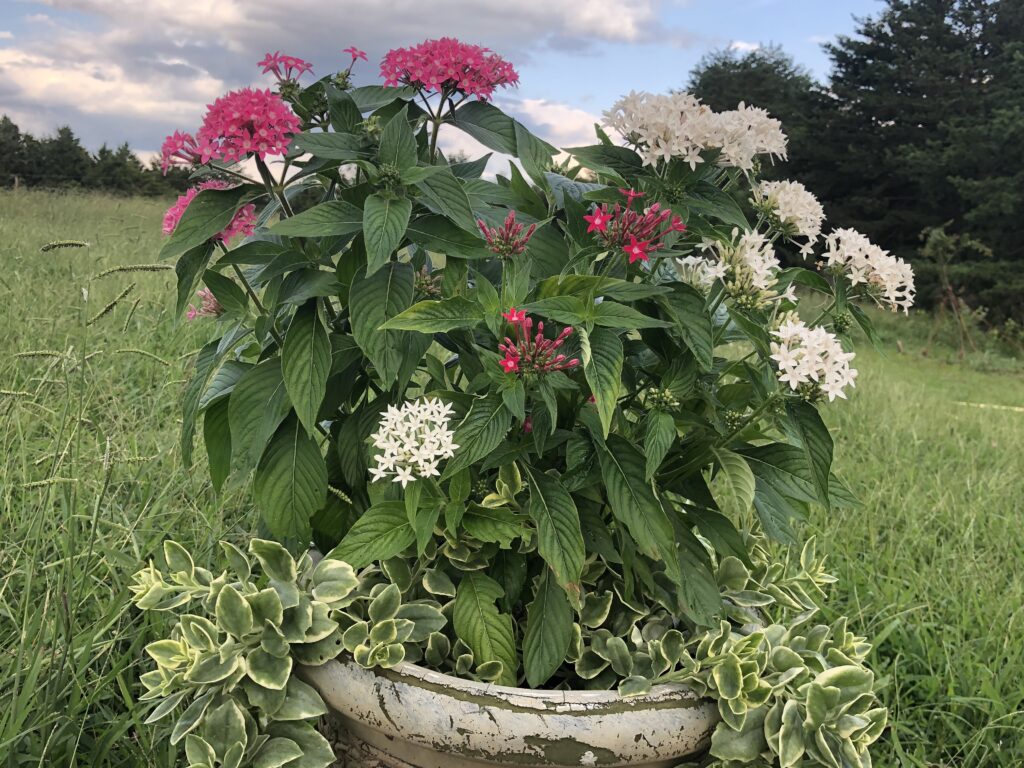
(92, 481)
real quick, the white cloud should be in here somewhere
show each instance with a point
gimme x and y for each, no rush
(560, 124)
(5, 35)
(744, 46)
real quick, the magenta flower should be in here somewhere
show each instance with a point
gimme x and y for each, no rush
(355, 53)
(243, 223)
(179, 149)
(507, 240)
(532, 353)
(208, 306)
(638, 232)
(285, 68)
(246, 122)
(448, 65)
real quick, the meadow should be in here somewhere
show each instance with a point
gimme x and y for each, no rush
(91, 483)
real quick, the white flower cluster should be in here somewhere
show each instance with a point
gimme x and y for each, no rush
(413, 440)
(865, 262)
(798, 211)
(750, 264)
(812, 355)
(678, 125)
(700, 272)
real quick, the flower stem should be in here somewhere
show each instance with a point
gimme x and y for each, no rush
(272, 187)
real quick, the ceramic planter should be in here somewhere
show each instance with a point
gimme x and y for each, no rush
(411, 716)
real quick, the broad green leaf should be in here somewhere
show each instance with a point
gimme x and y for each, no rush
(306, 363)
(223, 383)
(559, 539)
(384, 223)
(816, 442)
(397, 143)
(276, 753)
(784, 467)
(206, 366)
(733, 483)
(791, 735)
(188, 268)
(438, 316)
(233, 613)
(224, 727)
(302, 703)
(548, 631)
(269, 671)
(631, 497)
(217, 437)
(332, 146)
(691, 321)
(488, 125)
(207, 215)
(316, 750)
(483, 430)
(480, 625)
(775, 511)
(613, 315)
(371, 97)
(257, 406)
(437, 234)
(499, 525)
(290, 482)
(591, 286)
(373, 300)
(191, 717)
(600, 157)
(604, 373)
(335, 217)
(443, 193)
(382, 531)
(659, 436)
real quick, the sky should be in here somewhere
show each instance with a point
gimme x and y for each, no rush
(135, 70)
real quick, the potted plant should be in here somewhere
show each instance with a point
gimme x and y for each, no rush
(554, 432)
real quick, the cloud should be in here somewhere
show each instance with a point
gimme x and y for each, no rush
(743, 46)
(560, 124)
(5, 35)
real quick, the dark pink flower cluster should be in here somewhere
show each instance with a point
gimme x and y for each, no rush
(244, 222)
(208, 306)
(638, 232)
(178, 149)
(245, 122)
(508, 239)
(449, 65)
(284, 67)
(532, 353)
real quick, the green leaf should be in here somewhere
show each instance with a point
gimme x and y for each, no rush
(443, 193)
(373, 300)
(371, 97)
(691, 321)
(559, 538)
(438, 316)
(659, 436)
(257, 406)
(316, 751)
(384, 223)
(438, 234)
(335, 217)
(276, 753)
(188, 268)
(600, 157)
(332, 146)
(269, 671)
(217, 437)
(480, 433)
(733, 484)
(302, 702)
(233, 612)
(816, 442)
(291, 482)
(791, 735)
(488, 125)
(480, 625)
(548, 632)
(191, 717)
(206, 216)
(631, 497)
(498, 525)
(306, 363)
(604, 373)
(613, 315)
(383, 531)
(224, 727)
(397, 143)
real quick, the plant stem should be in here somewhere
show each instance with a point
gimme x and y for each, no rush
(272, 186)
(259, 304)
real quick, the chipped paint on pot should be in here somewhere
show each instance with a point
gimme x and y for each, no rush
(411, 716)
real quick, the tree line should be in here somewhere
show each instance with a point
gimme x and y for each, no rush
(60, 161)
(919, 127)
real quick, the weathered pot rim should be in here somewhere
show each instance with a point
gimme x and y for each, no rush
(410, 672)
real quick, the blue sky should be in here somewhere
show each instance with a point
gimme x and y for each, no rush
(134, 70)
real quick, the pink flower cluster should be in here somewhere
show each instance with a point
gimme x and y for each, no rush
(238, 124)
(508, 239)
(638, 232)
(448, 65)
(355, 53)
(208, 307)
(284, 67)
(532, 353)
(244, 222)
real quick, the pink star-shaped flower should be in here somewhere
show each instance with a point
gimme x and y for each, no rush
(637, 249)
(355, 53)
(509, 365)
(631, 195)
(514, 315)
(598, 220)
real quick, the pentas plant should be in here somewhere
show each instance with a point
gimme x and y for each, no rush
(574, 408)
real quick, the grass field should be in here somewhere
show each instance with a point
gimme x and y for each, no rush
(91, 482)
